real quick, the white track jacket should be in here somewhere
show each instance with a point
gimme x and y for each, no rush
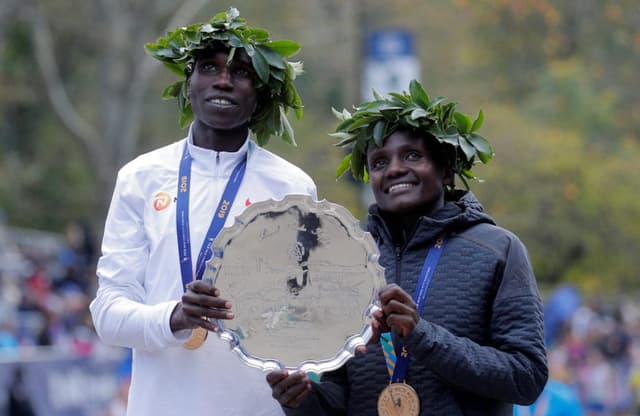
(140, 283)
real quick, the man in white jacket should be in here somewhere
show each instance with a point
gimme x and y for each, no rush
(151, 297)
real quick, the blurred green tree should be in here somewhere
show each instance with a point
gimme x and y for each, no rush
(557, 80)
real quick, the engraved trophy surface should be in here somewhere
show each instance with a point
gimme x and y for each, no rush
(302, 277)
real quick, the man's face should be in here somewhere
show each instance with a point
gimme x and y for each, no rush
(403, 177)
(223, 96)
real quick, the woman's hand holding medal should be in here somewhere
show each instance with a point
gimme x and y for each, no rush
(397, 309)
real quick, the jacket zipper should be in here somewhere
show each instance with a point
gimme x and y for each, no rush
(398, 264)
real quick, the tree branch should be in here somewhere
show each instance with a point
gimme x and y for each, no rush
(46, 59)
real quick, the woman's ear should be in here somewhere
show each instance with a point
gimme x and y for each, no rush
(449, 178)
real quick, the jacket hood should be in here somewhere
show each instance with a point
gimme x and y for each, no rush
(461, 211)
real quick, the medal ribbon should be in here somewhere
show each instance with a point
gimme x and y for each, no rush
(389, 352)
(398, 358)
(182, 216)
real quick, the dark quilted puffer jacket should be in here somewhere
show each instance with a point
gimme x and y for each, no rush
(479, 346)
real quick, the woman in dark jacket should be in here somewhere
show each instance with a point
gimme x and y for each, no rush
(466, 323)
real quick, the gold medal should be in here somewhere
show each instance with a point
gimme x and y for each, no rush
(398, 399)
(197, 338)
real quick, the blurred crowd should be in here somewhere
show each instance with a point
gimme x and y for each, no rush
(47, 282)
(594, 351)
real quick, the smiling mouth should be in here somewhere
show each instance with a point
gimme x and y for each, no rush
(399, 187)
(219, 101)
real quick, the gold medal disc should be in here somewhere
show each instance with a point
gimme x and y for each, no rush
(197, 338)
(398, 399)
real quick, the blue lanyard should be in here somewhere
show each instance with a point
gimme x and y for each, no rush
(419, 296)
(182, 216)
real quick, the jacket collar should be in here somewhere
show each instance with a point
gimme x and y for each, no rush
(204, 159)
(460, 211)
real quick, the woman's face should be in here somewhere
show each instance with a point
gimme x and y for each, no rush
(404, 178)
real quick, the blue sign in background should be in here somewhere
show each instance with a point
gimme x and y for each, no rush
(72, 386)
(387, 44)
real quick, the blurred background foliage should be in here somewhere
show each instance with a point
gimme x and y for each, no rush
(557, 79)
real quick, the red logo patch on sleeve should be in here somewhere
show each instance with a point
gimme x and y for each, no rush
(161, 201)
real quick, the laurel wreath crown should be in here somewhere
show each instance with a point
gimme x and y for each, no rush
(275, 74)
(373, 121)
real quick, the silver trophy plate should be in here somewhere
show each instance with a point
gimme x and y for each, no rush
(303, 279)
